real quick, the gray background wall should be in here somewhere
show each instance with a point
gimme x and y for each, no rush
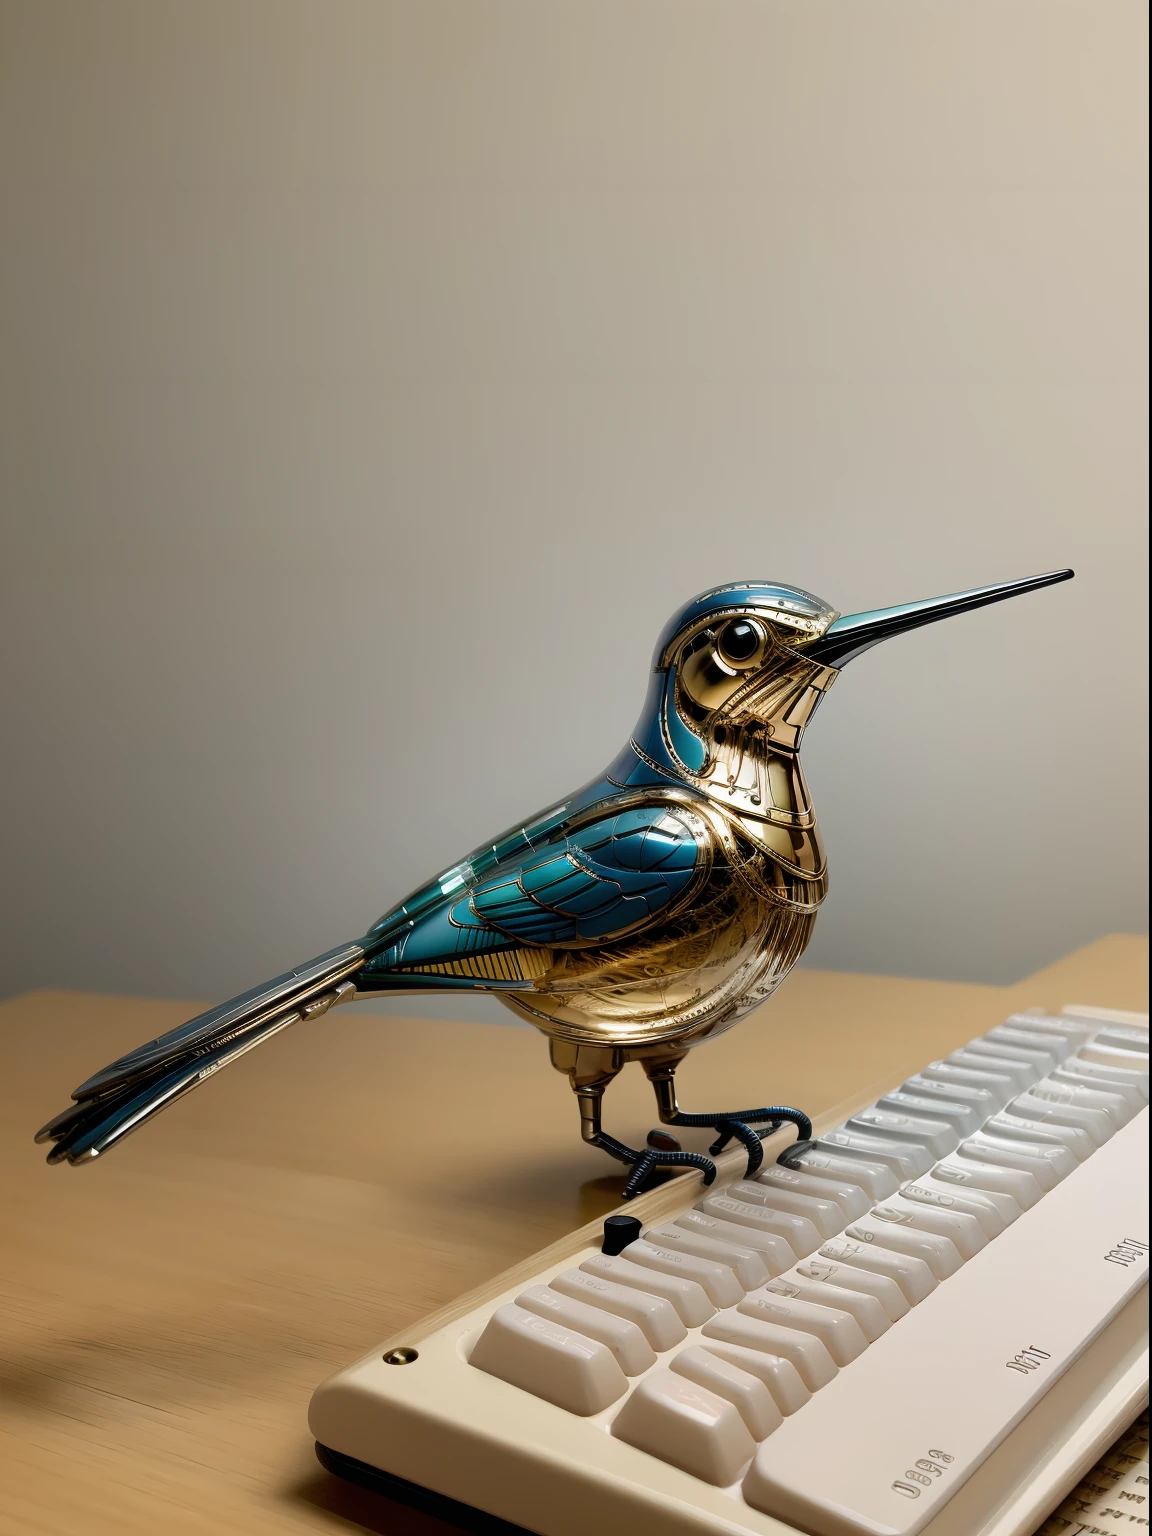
(377, 377)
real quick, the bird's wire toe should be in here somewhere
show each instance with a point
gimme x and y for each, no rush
(647, 1161)
(737, 1125)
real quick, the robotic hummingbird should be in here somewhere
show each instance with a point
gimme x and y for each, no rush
(645, 914)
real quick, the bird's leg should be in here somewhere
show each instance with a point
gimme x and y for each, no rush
(589, 1070)
(731, 1125)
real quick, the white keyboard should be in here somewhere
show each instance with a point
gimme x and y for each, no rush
(837, 1346)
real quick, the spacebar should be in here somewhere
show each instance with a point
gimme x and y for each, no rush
(883, 1447)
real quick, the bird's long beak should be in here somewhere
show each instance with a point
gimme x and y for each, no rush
(847, 637)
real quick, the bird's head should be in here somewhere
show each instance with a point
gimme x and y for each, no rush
(742, 667)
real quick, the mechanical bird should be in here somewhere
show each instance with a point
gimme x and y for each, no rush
(646, 913)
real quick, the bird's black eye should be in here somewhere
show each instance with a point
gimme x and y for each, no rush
(739, 641)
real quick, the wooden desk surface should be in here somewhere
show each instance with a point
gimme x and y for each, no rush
(166, 1313)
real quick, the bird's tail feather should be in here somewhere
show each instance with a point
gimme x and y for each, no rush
(122, 1096)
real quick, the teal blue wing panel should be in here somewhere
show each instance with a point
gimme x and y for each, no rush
(602, 880)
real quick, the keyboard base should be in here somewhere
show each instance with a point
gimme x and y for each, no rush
(413, 1496)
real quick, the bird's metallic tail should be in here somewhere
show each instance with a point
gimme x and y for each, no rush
(122, 1096)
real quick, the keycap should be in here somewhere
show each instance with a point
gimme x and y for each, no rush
(961, 1228)
(870, 1316)
(549, 1360)
(963, 1118)
(852, 1198)
(632, 1350)
(980, 1100)
(824, 1214)
(1062, 1145)
(797, 1231)
(993, 1214)
(911, 1274)
(994, 1343)
(1065, 1087)
(874, 1178)
(939, 1139)
(746, 1392)
(1114, 1056)
(774, 1250)
(1016, 1126)
(1098, 1123)
(1026, 1066)
(939, 1253)
(900, 1158)
(717, 1280)
(1029, 1040)
(1058, 1026)
(1031, 1157)
(847, 1277)
(836, 1328)
(689, 1299)
(806, 1352)
(656, 1318)
(998, 1088)
(1018, 1074)
(744, 1262)
(780, 1376)
(1124, 1039)
(686, 1425)
(971, 1172)
(1120, 1078)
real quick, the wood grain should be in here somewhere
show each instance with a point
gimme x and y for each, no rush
(165, 1314)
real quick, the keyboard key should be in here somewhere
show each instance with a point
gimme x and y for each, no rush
(939, 1139)
(846, 1277)
(991, 1178)
(774, 1250)
(912, 1275)
(852, 1198)
(961, 1229)
(1052, 1026)
(824, 1214)
(745, 1263)
(633, 1352)
(1018, 1074)
(797, 1231)
(549, 1360)
(1066, 1087)
(999, 1089)
(1118, 1079)
(1095, 1123)
(656, 1318)
(747, 1393)
(1047, 1141)
(720, 1284)
(806, 1352)
(1006, 1153)
(963, 1118)
(900, 1158)
(994, 1214)
(980, 1100)
(874, 1178)
(1114, 1056)
(836, 1328)
(780, 1376)
(1028, 1040)
(939, 1253)
(1124, 1039)
(869, 1314)
(686, 1425)
(689, 1299)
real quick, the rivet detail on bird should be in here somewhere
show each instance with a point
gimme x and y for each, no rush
(646, 913)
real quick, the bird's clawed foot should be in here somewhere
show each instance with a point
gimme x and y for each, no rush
(662, 1151)
(738, 1126)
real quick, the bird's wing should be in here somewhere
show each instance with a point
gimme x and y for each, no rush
(592, 885)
